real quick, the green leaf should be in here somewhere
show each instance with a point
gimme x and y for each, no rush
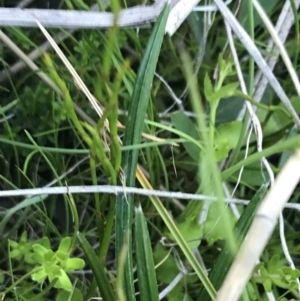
(145, 263)
(167, 268)
(13, 244)
(65, 245)
(15, 253)
(225, 91)
(64, 281)
(294, 273)
(208, 88)
(37, 257)
(133, 131)
(45, 242)
(49, 255)
(230, 131)
(51, 268)
(221, 63)
(23, 237)
(74, 264)
(263, 271)
(225, 68)
(185, 125)
(39, 249)
(267, 285)
(273, 264)
(61, 255)
(98, 269)
(39, 276)
(226, 138)
(251, 291)
(192, 232)
(213, 229)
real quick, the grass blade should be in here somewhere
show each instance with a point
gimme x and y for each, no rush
(145, 264)
(133, 131)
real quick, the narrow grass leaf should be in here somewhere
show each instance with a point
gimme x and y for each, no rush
(133, 131)
(145, 263)
(97, 267)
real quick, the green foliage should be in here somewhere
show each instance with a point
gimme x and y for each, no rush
(47, 135)
(22, 250)
(224, 136)
(46, 263)
(275, 273)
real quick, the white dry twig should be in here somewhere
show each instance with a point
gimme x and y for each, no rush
(179, 12)
(131, 17)
(120, 189)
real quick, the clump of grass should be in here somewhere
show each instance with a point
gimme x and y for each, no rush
(181, 130)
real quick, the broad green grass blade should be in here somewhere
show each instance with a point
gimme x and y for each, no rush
(145, 264)
(97, 267)
(133, 130)
(225, 258)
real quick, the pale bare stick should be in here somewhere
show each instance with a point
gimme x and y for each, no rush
(120, 189)
(179, 12)
(131, 17)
